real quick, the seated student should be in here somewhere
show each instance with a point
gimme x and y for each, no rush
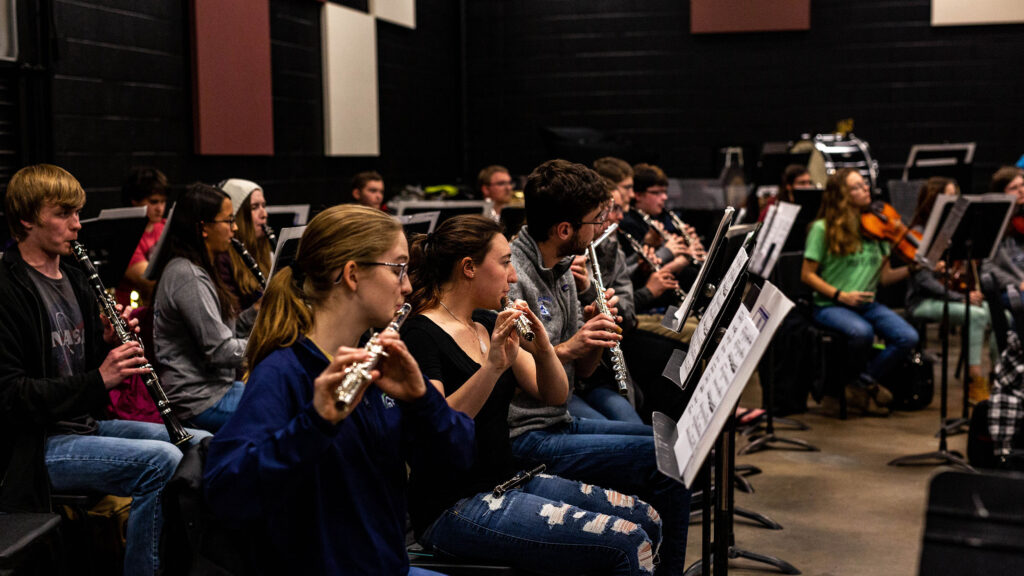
(323, 488)
(57, 361)
(368, 189)
(478, 361)
(250, 206)
(926, 293)
(844, 269)
(1007, 266)
(195, 313)
(495, 183)
(618, 171)
(794, 176)
(564, 202)
(147, 187)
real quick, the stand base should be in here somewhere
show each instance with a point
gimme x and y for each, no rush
(954, 426)
(757, 517)
(937, 458)
(784, 567)
(785, 423)
(763, 441)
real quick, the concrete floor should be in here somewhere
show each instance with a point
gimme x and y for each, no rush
(844, 511)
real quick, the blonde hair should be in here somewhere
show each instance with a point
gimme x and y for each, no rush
(32, 187)
(842, 221)
(338, 235)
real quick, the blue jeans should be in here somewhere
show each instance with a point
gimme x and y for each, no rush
(603, 404)
(125, 459)
(860, 325)
(552, 525)
(617, 455)
(218, 415)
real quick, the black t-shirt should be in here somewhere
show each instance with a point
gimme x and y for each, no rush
(440, 358)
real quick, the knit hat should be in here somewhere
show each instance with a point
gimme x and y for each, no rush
(238, 190)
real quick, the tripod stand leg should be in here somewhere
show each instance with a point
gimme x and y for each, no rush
(757, 517)
(936, 458)
(767, 440)
(782, 565)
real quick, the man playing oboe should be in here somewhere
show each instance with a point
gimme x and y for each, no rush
(57, 361)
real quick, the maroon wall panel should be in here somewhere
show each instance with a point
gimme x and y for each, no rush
(714, 16)
(233, 111)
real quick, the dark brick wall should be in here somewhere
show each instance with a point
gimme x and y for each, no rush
(633, 70)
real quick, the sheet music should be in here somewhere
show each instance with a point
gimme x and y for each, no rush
(686, 307)
(945, 235)
(766, 224)
(287, 239)
(726, 376)
(769, 244)
(711, 314)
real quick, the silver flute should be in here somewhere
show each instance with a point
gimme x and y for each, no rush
(691, 239)
(175, 431)
(357, 376)
(271, 236)
(618, 360)
(250, 262)
(639, 249)
(523, 324)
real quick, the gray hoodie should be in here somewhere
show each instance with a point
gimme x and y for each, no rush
(196, 351)
(551, 294)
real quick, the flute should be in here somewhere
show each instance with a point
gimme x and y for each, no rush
(523, 324)
(639, 249)
(175, 431)
(250, 262)
(357, 376)
(618, 360)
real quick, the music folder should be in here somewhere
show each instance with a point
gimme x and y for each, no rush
(111, 239)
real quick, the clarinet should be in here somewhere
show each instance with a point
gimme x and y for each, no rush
(521, 477)
(271, 237)
(175, 430)
(639, 249)
(357, 376)
(650, 224)
(522, 322)
(618, 361)
(250, 262)
(690, 239)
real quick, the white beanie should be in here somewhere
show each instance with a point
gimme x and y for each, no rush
(238, 190)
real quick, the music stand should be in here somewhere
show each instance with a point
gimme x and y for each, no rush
(422, 223)
(287, 247)
(447, 208)
(675, 316)
(280, 216)
(513, 217)
(111, 238)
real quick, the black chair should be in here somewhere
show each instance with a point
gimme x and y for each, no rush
(29, 543)
(975, 525)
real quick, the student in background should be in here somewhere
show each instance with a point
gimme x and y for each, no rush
(143, 186)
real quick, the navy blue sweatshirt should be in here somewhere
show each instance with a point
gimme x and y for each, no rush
(322, 498)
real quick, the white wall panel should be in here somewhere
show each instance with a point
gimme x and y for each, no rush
(351, 117)
(401, 12)
(962, 12)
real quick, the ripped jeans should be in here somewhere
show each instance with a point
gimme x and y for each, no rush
(552, 525)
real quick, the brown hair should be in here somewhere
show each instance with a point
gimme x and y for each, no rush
(842, 221)
(259, 248)
(32, 187)
(930, 190)
(561, 191)
(647, 175)
(336, 236)
(433, 257)
(359, 181)
(614, 169)
(1002, 178)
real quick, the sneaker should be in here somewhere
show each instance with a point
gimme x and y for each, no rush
(880, 393)
(977, 390)
(856, 398)
(874, 409)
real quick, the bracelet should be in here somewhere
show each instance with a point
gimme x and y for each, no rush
(835, 297)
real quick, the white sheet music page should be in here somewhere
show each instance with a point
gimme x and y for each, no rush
(782, 224)
(711, 314)
(726, 376)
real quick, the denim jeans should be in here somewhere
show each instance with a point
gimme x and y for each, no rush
(603, 404)
(931, 310)
(552, 525)
(860, 325)
(125, 459)
(616, 455)
(217, 415)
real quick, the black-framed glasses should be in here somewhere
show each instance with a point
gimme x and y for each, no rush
(228, 221)
(601, 219)
(403, 269)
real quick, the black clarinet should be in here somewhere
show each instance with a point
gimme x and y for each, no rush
(522, 477)
(250, 262)
(271, 237)
(639, 249)
(124, 333)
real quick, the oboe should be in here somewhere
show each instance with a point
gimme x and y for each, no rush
(271, 236)
(618, 361)
(523, 324)
(357, 376)
(691, 240)
(639, 249)
(250, 262)
(177, 433)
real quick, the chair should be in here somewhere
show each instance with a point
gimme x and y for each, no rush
(29, 543)
(975, 525)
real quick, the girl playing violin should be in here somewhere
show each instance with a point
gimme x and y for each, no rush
(843, 269)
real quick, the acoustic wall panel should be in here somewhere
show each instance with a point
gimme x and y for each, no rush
(717, 16)
(961, 12)
(350, 82)
(401, 12)
(233, 112)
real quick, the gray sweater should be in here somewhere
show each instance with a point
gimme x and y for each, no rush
(196, 351)
(551, 294)
(1007, 266)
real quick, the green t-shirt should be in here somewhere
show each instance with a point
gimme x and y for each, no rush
(857, 272)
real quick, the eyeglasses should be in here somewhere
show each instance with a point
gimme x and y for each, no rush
(228, 221)
(403, 269)
(601, 219)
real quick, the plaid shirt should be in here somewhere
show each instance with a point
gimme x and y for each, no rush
(1007, 408)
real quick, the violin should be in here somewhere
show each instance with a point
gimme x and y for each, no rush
(1017, 224)
(882, 222)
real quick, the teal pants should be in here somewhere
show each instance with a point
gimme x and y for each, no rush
(931, 311)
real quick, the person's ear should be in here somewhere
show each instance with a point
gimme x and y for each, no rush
(563, 230)
(349, 277)
(468, 268)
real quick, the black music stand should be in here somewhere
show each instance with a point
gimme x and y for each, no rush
(287, 247)
(111, 238)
